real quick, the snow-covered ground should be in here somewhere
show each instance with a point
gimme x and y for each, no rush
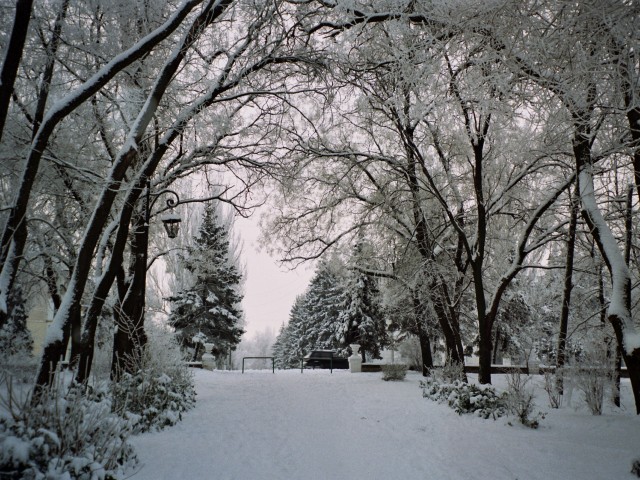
(320, 426)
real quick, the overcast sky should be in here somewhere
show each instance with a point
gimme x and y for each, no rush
(270, 289)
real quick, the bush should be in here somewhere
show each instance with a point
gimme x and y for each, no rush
(394, 371)
(635, 467)
(161, 389)
(553, 387)
(451, 372)
(67, 434)
(466, 398)
(593, 376)
(519, 399)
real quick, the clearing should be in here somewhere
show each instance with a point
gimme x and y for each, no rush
(321, 426)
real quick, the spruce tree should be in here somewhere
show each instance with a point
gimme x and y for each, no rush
(361, 319)
(210, 307)
(313, 319)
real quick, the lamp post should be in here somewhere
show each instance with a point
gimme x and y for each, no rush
(171, 222)
(130, 337)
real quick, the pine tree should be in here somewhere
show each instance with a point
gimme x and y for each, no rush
(210, 307)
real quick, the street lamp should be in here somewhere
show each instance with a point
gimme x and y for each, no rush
(130, 338)
(170, 221)
(171, 225)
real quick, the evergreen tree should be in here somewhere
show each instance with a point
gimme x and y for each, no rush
(292, 343)
(210, 308)
(313, 319)
(15, 337)
(361, 319)
(323, 300)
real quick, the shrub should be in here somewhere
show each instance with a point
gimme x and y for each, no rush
(451, 372)
(519, 399)
(67, 434)
(635, 467)
(552, 385)
(466, 398)
(161, 389)
(394, 371)
(593, 376)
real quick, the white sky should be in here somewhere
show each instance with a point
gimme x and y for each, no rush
(270, 289)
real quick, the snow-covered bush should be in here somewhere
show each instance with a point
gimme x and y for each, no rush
(65, 435)
(466, 397)
(394, 371)
(162, 387)
(519, 399)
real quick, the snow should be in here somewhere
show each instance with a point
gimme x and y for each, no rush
(14, 451)
(311, 425)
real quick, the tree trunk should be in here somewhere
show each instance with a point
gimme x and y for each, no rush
(130, 338)
(485, 327)
(13, 56)
(496, 345)
(566, 292)
(618, 313)
(423, 336)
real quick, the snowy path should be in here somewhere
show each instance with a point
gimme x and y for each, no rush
(321, 426)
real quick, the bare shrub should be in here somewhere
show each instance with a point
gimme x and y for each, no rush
(552, 386)
(449, 373)
(519, 399)
(593, 376)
